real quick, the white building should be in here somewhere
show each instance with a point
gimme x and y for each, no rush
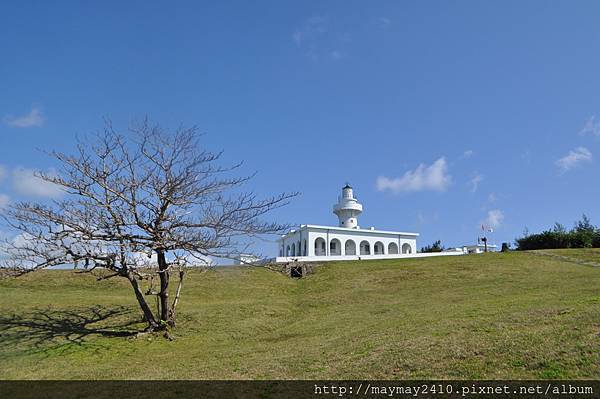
(473, 249)
(347, 241)
(246, 259)
(480, 248)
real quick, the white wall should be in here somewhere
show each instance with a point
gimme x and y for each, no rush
(363, 257)
(309, 235)
(359, 236)
(292, 240)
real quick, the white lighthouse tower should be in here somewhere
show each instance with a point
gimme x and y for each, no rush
(348, 208)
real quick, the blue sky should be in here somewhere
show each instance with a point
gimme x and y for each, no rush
(442, 115)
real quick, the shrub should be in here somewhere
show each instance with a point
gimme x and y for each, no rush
(435, 247)
(583, 235)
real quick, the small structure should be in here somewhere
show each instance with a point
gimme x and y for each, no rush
(246, 259)
(472, 249)
(457, 250)
(293, 269)
(480, 248)
(347, 241)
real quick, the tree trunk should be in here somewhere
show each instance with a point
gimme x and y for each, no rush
(173, 314)
(152, 323)
(164, 286)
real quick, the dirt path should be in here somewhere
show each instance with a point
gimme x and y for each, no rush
(566, 258)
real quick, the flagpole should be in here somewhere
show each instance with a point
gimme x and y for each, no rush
(484, 239)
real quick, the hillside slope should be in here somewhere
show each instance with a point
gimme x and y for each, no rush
(515, 315)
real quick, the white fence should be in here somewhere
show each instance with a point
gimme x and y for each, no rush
(285, 259)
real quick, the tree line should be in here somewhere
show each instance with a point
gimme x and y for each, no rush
(583, 235)
(435, 247)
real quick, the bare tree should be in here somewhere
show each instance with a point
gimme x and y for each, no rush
(130, 198)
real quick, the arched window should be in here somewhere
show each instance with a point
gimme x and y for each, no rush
(392, 248)
(406, 249)
(304, 249)
(293, 250)
(365, 248)
(335, 247)
(281, 251)
(320, 247)
(378, 248)
(287, 251)
(299, 249)
(350, 248)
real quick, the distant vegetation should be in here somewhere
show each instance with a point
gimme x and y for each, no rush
(435, 247)
(583, 235)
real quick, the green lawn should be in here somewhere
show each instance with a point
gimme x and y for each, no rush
(493, 316)
(591, 255)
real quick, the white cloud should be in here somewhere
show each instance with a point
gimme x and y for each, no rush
(420, 217)
(384, 22)
(474, 182)
(196, 259)
(434, 177)
(25, 182)
(4, 201)
(336, 55)
(591, 127)
(34, 118)
(141, 259)
(425, 218)
(492, 197)
(318, 39)
(312, 28)
(494, 218)
(298, 36)
(468, 153)
(21, 249)
(573, 159)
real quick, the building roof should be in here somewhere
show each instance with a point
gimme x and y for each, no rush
(480, 246)
(349, 230)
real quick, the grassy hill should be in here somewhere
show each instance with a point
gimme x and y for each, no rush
(515, 315)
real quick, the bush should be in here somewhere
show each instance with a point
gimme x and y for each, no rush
(583, 235)
(435, 247)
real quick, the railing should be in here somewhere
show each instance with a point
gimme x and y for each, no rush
(349, 205)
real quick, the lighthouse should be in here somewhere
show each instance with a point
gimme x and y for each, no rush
(347, 209)
(317, 242)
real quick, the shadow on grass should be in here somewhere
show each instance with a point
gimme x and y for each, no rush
(50, 329)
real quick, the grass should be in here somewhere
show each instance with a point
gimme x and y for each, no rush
(591, 255)
(492, 316)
